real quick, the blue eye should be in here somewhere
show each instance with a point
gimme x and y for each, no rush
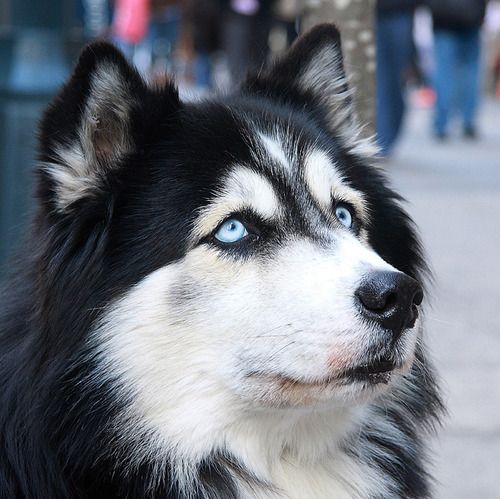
(344, 215)
(231, 231)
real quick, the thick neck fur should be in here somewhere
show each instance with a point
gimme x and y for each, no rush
(286, 454)
(371, 451)
(299, 453)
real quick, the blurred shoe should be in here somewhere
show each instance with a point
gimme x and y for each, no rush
(470, 132)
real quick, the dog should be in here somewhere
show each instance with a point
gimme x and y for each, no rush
(218, 299)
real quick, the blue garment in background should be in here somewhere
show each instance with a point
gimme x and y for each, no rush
(394, 54)
(456, 77)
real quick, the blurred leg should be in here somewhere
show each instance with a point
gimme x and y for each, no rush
(445, 80)
(394, 49)
(470, 52)
(202, 70)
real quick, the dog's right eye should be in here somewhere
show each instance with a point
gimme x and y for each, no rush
(231, 231)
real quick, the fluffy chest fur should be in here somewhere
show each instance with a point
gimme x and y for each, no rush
(341, 478)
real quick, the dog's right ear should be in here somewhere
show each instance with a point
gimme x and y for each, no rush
(96, 120)
(311, 75)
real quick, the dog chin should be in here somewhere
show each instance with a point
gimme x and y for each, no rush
(354, 387)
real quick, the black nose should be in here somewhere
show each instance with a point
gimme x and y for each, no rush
(391, 299)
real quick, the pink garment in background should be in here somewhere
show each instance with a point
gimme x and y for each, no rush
(131, 20)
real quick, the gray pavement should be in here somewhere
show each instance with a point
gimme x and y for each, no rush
(453, 189)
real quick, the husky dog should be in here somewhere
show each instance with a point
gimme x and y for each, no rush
(216, 300)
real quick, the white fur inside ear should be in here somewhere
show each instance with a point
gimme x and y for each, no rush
(325, 77)
(325, 74)
(103, 138)
(72, 175)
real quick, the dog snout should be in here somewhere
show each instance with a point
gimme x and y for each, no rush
(391, 299)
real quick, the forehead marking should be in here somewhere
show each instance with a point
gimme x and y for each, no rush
(242, 189)
(326, 183)
(274, 150)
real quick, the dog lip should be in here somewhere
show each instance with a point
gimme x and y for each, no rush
(379, 370)
(381, 366)
(291, 380)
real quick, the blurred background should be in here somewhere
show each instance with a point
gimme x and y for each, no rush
(427, 76)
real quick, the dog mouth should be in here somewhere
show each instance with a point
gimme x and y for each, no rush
(379, 371)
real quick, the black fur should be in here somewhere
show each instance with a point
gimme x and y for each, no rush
(54, 428)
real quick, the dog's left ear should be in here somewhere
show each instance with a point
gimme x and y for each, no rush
(312, 72)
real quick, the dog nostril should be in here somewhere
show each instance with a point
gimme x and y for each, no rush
(376, 298)
(418, 296)
(390, 299)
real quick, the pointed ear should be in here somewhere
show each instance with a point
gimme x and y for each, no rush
(93, 124)
(312, 72)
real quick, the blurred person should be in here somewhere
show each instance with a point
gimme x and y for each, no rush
(247, 24)
(130, 24)
(287, 15)
(204, 18)
(395, 51)
(424, 96)
(164, 33)
(457, 47)
(492, 30)
(496, 73)
(95, 16)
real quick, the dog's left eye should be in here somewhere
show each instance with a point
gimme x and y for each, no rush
(231, 231)
(344, 215)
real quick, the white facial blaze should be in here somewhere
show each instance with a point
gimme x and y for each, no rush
(274, 149)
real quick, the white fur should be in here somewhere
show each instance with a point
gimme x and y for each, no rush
(185, 365)
(274, 149)
(72, 176)
(326, 184)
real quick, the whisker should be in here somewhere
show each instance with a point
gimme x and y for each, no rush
(441, 321)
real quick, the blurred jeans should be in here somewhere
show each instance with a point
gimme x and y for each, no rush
(394, 53)
(202, 70)
(456, 77)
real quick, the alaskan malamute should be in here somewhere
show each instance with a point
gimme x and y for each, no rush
(217, 300)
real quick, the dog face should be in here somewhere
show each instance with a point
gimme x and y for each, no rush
(264, 302)
(245, 254)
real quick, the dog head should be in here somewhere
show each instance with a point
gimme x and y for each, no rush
(228, 256)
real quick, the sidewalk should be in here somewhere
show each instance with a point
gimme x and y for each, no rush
(453, 189)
